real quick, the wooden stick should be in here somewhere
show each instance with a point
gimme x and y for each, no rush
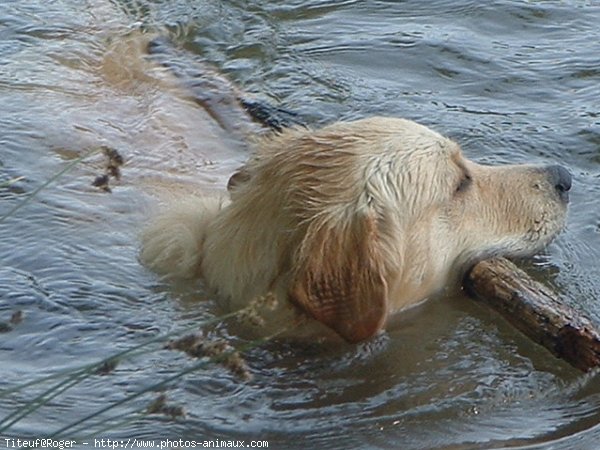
(536, 311)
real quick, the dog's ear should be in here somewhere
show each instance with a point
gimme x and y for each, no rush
(340, 278)
(241, 176)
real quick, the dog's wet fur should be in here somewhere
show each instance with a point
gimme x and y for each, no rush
(349, 223)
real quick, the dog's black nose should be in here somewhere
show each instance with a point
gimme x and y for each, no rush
(561, 179)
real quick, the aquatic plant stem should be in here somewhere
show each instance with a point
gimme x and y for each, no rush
(111, 423)
(41, 400)
(52, 179)
(91, 368)
(154, 387)
(80, 374)
(11, 181)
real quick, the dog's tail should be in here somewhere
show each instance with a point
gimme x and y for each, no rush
(172, 243)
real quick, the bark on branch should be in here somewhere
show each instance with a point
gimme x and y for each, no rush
(536, 311)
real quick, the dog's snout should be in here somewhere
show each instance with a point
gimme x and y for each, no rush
(561, 180)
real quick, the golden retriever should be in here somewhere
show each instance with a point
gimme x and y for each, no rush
(355, 221)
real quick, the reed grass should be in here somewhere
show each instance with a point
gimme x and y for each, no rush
(63, 380)
(72, 377)
(7, 183)
(93, 421)
(33, 194)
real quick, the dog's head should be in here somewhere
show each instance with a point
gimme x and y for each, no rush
(374, 215)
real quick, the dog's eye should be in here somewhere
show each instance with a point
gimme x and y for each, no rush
(464, 184)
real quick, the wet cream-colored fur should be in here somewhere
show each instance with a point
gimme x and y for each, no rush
(352, 222)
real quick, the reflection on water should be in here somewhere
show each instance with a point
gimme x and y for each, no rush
(512, 82)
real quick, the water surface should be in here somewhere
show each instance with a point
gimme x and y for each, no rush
(512, 81)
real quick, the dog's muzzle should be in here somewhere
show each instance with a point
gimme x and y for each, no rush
(561, 180)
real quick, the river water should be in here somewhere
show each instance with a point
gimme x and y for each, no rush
(512, 81)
